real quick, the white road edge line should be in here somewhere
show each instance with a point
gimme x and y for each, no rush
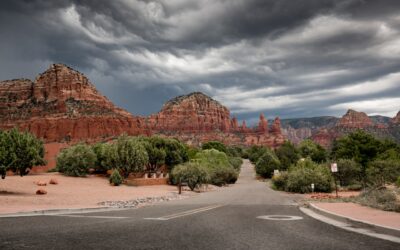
(348, 227)
(185, 213)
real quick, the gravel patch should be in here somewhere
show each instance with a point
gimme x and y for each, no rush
(139, 202)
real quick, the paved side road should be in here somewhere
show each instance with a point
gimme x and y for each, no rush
(225, 219)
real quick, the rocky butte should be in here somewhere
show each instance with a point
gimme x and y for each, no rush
(62, 105)
(353, 121)
(197, 118)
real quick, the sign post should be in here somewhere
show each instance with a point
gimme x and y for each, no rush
(334, 169)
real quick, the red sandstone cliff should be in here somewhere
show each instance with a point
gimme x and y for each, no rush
(351, 122)
(63, 105)
(196, 118)
(355, 120)
(396, 119)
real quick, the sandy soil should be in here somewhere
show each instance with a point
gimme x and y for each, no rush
(18, 194)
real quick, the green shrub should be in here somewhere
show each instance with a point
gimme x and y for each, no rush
(192, 173)
(398, 182)
(301, 176)
(217, 163)
(116, 178)
(222, 176)
(76, 160)
(255, 152)
(128, 155)
(381, 172)
(349, 172)
(192, 152)
(235, 151)
(19, 152)
(380, 198)
(287, 154)
(279, 181)
(102, 150)
(266, 164)
(310, 149)
(236, 162)
(215, 145)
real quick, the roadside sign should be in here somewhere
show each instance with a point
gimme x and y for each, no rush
(334, 168)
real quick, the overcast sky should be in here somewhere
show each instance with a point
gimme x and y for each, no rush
(289, 58)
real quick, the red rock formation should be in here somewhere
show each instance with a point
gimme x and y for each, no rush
(353, 119)
(62, 105)
(191, 113)
(396, 119)
(324, 137)
(196, 118)
(351, 122)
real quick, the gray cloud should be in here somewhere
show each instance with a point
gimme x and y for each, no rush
(282, 57)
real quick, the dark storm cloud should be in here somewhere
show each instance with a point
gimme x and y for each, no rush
(282, 57)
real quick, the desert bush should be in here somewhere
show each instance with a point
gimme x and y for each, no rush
(102, 150)
(301, 176)
(215, 145)
(381, 172)
(192, 173)
(19, 152)
(234, 151)
(349, 172)
(116, 178)
(383, 199)
(266, 164)
(76, 160)
(287, 154)
(279, 181)
(128, 155)
(192, 151)
(220, 170)
(310, 149)
(236, 162)
(222, 176)
(255, 152)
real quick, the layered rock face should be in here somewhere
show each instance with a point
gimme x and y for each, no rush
(196, 118)
(62, 105)
(353, 121)
(195, 112)
(396, 119)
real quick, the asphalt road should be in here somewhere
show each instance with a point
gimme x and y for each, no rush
(225, 219)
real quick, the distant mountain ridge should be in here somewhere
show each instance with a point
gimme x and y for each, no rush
(325, 129)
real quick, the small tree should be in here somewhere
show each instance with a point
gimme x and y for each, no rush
(116, 178)
(287, 154)
(128, 155)
(359, 146)
(266, 164)
(192, 173)
(20, 151)
(76, 160)
(102, 150)
(310, 149)
(349, 172)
